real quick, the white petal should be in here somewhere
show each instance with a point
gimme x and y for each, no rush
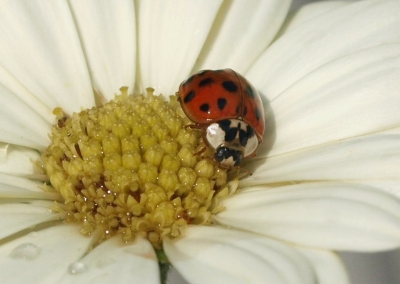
(352, 96)
(391, 186)
(21, 124)
(327, 215)
(216, 255)
(395, 130)
(15, 187)
(354, 27)
(56, 248)
(21, 161)
(116, 262)
(15, 217)
(107, 32)
(41, 48)
(329, 266)
(3, 151)
(171, 35)
(242, 30)
(374, 157)
(16, 181)
(309, 11)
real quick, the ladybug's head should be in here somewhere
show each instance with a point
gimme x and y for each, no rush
(228, 157)
(233, 139)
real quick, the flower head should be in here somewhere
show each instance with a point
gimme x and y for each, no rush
(325, 178)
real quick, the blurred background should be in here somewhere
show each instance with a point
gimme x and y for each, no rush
(363, 268)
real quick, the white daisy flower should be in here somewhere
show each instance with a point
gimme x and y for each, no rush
(324, 179)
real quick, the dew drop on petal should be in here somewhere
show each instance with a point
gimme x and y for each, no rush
(25, 251)
(77, 268)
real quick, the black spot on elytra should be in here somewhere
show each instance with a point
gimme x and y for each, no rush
(205, 82)
(258, 114)
(205, 107)
(250, 92)
(230, 86)
(189, 97)
(221, 103)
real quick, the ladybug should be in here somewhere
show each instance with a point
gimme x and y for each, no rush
(229, 112)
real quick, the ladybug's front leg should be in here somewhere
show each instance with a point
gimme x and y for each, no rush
(239, 172)
(193, 126)
(198, 127)
(201, 151)
(252, 155)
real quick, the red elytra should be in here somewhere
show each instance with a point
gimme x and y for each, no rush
(224, 101)
(214, 95)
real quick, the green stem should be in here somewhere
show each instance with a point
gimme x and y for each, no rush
(164, 265)
(164, 270)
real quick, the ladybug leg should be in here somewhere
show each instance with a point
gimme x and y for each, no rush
(238, 172)
(252, 155)
(201, 151)
(242, 172)
(193, 126)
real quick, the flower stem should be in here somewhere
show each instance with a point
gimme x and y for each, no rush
(164, 265)
(164, 270)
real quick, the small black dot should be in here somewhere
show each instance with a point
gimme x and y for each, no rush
(205, 107)
(230, 86)
(189, 97)
(258, 114)
(205, 82)
(250, 92)
(221, 103)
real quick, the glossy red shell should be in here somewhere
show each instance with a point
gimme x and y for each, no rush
(213, 95)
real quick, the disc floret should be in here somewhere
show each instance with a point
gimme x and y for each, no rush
(131, 167)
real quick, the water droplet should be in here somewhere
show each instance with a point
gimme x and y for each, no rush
(26, 251)
(77, 268)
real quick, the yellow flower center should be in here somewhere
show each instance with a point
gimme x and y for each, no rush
(131, 167)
